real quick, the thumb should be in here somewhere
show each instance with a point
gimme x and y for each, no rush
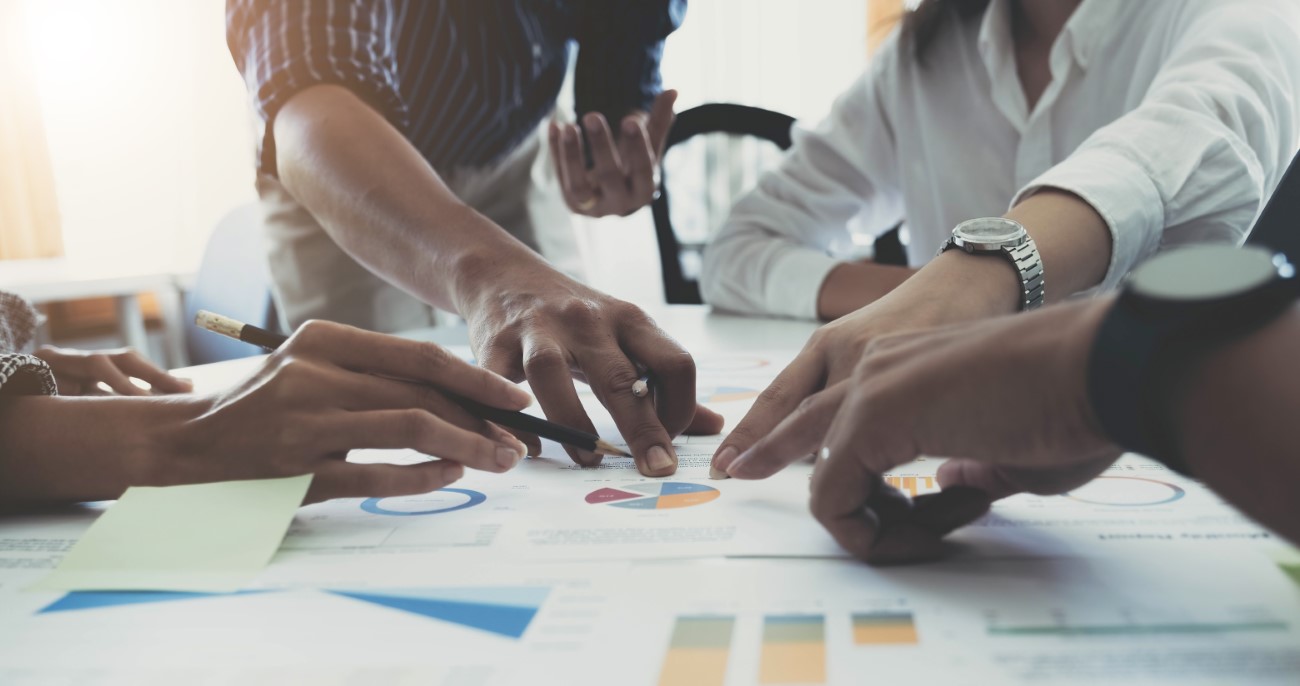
(661, 120)
(706, 422)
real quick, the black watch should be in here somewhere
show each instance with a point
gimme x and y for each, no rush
(1174, 309)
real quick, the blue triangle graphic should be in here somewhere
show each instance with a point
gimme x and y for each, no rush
(504, 620)
(89, 600)
(513, 596)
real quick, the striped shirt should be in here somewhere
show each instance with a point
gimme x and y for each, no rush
(465, 80)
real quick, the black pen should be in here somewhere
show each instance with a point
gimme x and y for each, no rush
(519, 421)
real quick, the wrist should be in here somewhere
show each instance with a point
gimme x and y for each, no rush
(1077, 341)
(967, 287)
(161, 449)
(117, 443)
(488, 279)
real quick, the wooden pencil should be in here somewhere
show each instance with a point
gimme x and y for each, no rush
(519, 421)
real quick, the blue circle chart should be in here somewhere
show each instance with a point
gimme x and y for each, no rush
(472, 498)
(1127, 491)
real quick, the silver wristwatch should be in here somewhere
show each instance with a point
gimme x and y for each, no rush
(996, 236)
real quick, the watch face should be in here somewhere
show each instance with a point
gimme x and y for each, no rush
(1207, 272)
(990, 232)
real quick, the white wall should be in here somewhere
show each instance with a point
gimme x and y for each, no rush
(147, 124)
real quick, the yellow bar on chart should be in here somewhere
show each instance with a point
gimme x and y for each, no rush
(884, 628)
(794, 650)
(698, 651)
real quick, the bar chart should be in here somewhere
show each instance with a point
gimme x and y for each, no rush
(794, 650)
(913, 485)
(884, 628)
(698, 651)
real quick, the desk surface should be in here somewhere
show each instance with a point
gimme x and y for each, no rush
(556, 575)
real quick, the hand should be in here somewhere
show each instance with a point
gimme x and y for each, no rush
(550, 330)
(953, 288)
(1007, 397)
(79, 372)
(624, 175)
(333, 388)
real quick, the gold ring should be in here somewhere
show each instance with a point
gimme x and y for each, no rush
(587, 204)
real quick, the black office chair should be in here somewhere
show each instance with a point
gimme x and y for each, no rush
(681, 288)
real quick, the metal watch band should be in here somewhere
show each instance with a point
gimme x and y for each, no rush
(1030, 266)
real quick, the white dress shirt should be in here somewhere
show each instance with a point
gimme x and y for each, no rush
(1174, 119)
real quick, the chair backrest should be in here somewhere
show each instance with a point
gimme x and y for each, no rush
(233, 280)
(740, 120)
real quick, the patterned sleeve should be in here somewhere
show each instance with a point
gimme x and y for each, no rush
(284, 46)
(21, 374)
(620, 45)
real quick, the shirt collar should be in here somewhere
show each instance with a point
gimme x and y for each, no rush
(1089, 27)
(1084, 32)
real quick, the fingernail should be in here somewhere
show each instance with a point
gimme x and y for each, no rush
(591, 119)
(658, 459)
(718, 474)
(629, 127)
(570, 135)
(507, 456)
(723, 459)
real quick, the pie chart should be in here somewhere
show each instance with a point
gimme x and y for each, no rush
(726, 394)
(1126, 491)
(658, 495)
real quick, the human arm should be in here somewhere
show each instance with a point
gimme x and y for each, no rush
(1191, 163)
(954, 287)
(1007, 398)
(772, 256)
(387, 208)
(619, 97)
(328, 390)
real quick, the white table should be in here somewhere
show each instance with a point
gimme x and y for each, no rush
(1039, 595)
(696, 327)
(64, 279)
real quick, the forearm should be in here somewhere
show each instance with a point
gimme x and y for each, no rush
(380, 200)
(853, 285)
(56, 449)
(1237, 424)
(1073, 242)
(1072, 238)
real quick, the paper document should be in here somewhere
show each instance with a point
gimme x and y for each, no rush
(201, 537)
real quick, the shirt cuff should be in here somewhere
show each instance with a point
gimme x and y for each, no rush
(795, 281)
(1122, 192)
(25, 375)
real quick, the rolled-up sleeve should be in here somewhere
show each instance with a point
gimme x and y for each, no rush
(1196, 160)
(21, 374)
(284, 46)
(776, 247)
(620, 46)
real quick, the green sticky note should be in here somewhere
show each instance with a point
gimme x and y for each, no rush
(204, 537)
(1289, 560)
